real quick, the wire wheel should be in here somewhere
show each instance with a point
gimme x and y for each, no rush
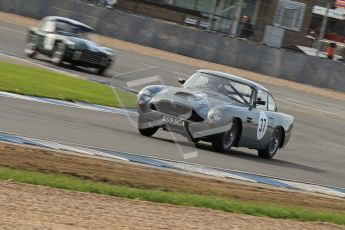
(224, 141)
(229, 136)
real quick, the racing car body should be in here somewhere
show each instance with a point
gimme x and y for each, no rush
(66, 40)
(216, 107)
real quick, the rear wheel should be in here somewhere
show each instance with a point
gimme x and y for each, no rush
(272, 146)
(58, 53)
(148, 132)
(224, 141)
(31, 46)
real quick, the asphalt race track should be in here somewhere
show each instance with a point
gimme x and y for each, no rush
(316, 152)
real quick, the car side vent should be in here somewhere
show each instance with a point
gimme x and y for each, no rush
(186, 95)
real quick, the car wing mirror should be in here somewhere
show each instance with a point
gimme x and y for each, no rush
(259, 102)
(181, 80)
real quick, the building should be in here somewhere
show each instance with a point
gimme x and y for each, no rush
(280, 23)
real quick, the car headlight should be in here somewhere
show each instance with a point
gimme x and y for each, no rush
(145, 95)
(70, 44)
(214, 115)
(109, 51)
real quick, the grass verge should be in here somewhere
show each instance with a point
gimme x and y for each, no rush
(35, 81)
(213, 202)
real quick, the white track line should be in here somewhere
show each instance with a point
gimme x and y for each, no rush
(13, 30)
(143, 81)
(55, 69)
(163, 67)
(49, 101)
(311, 107)
(175, 72)
(133, 71)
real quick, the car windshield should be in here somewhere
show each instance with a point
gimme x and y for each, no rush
(232, 89)
(68, 28)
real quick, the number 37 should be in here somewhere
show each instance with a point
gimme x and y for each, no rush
(262, 124)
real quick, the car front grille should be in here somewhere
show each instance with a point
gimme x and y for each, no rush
(92, 57)
(176, 110)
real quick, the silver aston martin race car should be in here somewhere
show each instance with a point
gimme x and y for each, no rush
(216, 107)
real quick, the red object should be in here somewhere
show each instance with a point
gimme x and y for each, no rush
(335, 37)
(340, 3)
(331, 50)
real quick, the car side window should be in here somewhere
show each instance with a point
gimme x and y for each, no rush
(261, 100)
(271, 103)
(48, 26)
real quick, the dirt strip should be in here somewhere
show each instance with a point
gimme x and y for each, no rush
(25, 206)
(119, 44)
(134, 175)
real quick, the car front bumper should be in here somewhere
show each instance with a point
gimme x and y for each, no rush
(88, 58)
(190, 129)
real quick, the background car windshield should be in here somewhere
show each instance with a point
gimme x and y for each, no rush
(232, 89)
(69, 28)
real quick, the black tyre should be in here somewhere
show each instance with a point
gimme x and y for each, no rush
(101, 70)
(224, 141)
(148, 132)
(195, 140)
(272, 146)
(31, 46)
(58, 53)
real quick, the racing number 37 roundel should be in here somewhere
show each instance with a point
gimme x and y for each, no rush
(262, 126)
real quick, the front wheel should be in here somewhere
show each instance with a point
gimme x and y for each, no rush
(148, 132)
(58, 53)
(101, 70)
(224, 141)
(272, 146)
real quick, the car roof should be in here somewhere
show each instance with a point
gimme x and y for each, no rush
(234, 78)
(68, 20)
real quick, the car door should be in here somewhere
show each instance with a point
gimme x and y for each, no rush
(272, 116)
(258, 122)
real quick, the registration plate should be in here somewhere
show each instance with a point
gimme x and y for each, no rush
(173, 121)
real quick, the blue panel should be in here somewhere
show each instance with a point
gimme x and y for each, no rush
(50, 101)
(15, 139)
(143, 160)
(265, 180)
(342, 190)
(2, 94)
(136, 158)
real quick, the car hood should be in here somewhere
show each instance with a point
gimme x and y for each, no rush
(200, 100)
(85, 44)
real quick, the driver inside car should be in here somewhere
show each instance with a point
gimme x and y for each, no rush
(216, 85)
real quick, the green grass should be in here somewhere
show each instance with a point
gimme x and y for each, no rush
(223, 204)
(41, 82)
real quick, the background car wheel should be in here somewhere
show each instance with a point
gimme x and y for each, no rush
(101, 70)
(272, 146)
(195, 140)
(224, 141)
(31, 46)
(148, 132)
(58, 53)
